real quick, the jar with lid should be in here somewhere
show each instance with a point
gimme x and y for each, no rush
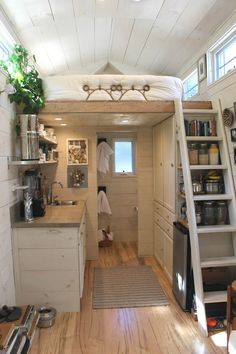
(209, 213)
(221, 212)
(203, 154)
(193, 154)
(213, 152)
(198, 213)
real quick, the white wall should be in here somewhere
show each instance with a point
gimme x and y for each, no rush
(223, 89)
(8, 178)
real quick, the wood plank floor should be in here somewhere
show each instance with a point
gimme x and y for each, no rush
(149, 330)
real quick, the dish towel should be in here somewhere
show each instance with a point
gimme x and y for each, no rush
(103, 205)
(103, 154)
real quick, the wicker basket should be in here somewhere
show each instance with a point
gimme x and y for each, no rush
(106, 242)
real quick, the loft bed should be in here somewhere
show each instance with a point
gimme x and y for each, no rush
(114, 94)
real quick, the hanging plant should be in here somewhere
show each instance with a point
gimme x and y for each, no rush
(24, 77)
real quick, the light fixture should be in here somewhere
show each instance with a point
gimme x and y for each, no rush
(63, 124)
(125, 121)
(57, 118)
(9, 89)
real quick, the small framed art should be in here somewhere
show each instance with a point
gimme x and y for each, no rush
(77, 151)
(201, 68)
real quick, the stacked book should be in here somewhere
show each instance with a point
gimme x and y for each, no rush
(200, 128)
(16, 337)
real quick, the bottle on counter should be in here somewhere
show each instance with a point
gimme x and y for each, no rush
(193, 154)
(203, 154)
(213, 153)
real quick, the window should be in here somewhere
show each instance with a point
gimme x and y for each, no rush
(6, 42)
(191, 85)
(124, 156)
(222, 56)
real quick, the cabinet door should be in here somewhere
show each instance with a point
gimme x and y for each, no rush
(168, 148)
(158, 244)
(158, 163)
(168, 255)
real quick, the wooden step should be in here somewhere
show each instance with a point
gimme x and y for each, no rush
(204, 138)
(202, 197)
(208, 167)
(216, 229)
(211, 297)
(218, 262)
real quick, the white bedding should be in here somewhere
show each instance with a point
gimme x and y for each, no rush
(71, 87)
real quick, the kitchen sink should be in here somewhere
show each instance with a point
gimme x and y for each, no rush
(65, 202)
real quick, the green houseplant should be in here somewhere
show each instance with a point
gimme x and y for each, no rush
(24, 77)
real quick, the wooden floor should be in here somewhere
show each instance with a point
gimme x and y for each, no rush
(149, 330)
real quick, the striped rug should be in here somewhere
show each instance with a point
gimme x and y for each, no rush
(133, 286)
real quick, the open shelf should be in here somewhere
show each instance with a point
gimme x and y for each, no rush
(208, 167)
(215, 296)
(215, 229)
(218, 262)
(204, 138)
(203, 197)
(43, 139)
(30, 162)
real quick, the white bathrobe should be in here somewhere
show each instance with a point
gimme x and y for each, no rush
(103, 154)
(103, 204)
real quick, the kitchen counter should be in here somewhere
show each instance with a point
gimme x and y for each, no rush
(56, 216)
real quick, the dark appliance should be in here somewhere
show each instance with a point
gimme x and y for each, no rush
(183, 285)
(32, 179)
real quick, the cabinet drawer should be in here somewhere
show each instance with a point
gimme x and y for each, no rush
(43, 237)
(48, 259)
(38, 281)
(168, 216)
(168, 228)
(158, 208)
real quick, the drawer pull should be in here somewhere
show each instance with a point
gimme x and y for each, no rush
(53, 231)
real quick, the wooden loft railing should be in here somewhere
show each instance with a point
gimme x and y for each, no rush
(60, 107)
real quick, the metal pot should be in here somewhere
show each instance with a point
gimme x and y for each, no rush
(212, 186)
(47, 317)
(197, 187)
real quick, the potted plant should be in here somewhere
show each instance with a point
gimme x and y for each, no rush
(28, 95)
(24, 78)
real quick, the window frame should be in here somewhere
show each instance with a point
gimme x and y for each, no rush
(133, 144)
(212, 52)
(194, 71)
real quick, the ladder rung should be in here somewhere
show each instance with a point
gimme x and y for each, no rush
(199, 111)
(216, 229)
(211, 297)
(204, 138)
(218, 262)
(212, 197)
(208, 167)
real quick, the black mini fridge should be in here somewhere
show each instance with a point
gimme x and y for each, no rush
(182, 286)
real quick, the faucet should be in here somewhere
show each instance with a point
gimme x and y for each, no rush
(51, 197)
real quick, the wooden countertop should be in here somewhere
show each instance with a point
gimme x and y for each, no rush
(57, 216)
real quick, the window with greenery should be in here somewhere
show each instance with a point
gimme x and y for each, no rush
(6, 42)
(222, 56)
(191, 85)
(124, 156)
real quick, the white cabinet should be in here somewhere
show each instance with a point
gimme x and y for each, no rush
(164, 163)
(163, 237)
(49, 265)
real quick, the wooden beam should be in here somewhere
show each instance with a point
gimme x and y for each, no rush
(60, 107)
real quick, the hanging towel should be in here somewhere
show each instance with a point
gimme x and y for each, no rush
(103, 154)
(103, 205)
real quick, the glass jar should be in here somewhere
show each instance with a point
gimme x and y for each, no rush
(221, 212)
(203, 154)
(198, 213)
(209, 213)
(193, 154)
(213, 152)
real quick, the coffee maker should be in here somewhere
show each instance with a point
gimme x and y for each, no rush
(32, 179)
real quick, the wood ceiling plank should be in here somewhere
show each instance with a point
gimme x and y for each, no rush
(86, 26)
(106, 8)
(121, 32)
(61, 107)
(139, 10)
(103, 28)
(84, 8)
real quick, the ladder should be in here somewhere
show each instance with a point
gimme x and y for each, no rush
(212, 245)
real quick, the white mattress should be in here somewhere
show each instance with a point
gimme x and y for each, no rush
(70, 87)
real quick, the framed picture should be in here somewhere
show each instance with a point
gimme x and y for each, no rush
(201, 68)
(77, 151)
(233, 134)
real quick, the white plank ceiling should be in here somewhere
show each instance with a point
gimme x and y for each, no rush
(130, 37)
